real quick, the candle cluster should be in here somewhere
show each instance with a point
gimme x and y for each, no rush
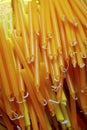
(43, 65)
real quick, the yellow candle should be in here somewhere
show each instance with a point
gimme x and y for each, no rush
(73, 35)
(60, 89)
(78, 12)
(37, 64)
(74, 61)
(20, 110)
(54, 49)
(20, 42)
(73, 114)
(83, 79)
(72, 55)
(56, 70)
(64, 42)
(34, 100)
(43, 24)
(45, 59)
(71, 13)
(81, 95)
(70, 85)
(21, 57)
(82, 33)
(21, 86)
(58, 112)
(59, 94)
(52, 73)
(65, 10)
(56, 31)
(24, 33)
(59, 10)
(49, 49)
(17, 24)
(5, 83)
(68, 33)
(50, 104)
(33, 116)
(79, 58)
(79, 4)
(9, 63)
(36, 17)
(81, 46)
(31, 30)
(48, 19)
(61, 62)
(7, 105)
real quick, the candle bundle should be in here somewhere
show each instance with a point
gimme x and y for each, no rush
(43, 65)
